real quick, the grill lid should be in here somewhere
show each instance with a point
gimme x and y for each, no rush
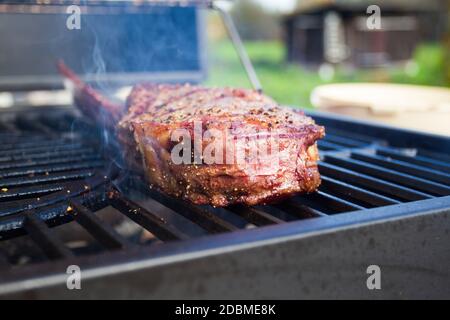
(114, 46)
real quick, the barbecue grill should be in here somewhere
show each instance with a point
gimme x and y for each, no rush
(384, 200)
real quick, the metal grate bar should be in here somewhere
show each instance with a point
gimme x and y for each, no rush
(324, 148)
(44, 238)
(298, 209)
(404, 167)
(76, 188)
(71, 175)
(30, 191)
(52, 161)
(342, 188)
(149, 221)
(372, 183)
(51, 168)
(419, 160)
(255, 216)
(42, 149)
(49, 154)
(352, 135)
(390, 175)
(32, 144)
(205, 219)
(434, 155)
(323, 144)
(22, 136)
(51, 213)
(334, 203)
(345, 142)
(57, 212)
(101, 231)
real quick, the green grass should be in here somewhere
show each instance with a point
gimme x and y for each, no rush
(430, 60)
(293, 84)
(286, 83)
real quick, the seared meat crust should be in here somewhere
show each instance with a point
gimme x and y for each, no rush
(156, 111)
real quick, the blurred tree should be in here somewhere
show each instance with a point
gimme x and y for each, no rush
(254, 22)
(215, 28)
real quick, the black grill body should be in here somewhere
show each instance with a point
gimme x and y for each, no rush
(384, 200)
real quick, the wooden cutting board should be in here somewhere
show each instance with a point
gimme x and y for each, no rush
(408, 106)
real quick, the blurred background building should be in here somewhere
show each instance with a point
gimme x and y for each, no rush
(336, 31)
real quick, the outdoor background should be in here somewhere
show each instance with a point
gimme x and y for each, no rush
(260, 24)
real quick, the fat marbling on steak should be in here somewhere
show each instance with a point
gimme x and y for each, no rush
(273, 148)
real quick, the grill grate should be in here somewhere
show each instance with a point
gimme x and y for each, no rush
(54, 171)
